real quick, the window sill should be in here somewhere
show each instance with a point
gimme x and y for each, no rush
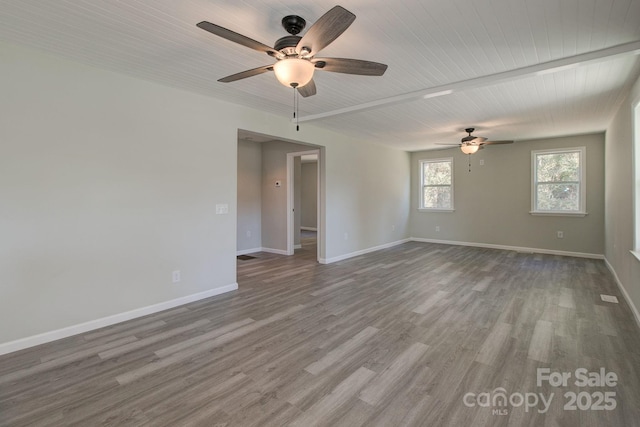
(574, 214)
(435, 210)
(636, 254)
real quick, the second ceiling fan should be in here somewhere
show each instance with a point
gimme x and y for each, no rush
(295, 55)
(471, 144)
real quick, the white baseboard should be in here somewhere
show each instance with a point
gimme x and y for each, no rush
(248, 251)
(269, 250)
(510, 248)
(309, 228)
(297, 246)
(634, 309)
(274, 251)
(362, 252)
(20, 344)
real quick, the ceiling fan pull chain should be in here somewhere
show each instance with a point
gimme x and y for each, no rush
(295, 106)
(296, 114)
(294, 102)
(469, 155)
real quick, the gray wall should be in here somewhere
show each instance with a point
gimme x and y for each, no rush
(369, 197)
(309, 202)
(109, 183)
(249, 229)
(619, 211)
(260, 165)
(492, 202)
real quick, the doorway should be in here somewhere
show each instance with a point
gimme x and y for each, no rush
(295, 206)
(266, 196)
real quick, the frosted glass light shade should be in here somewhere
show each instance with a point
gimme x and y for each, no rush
(293, 72)
(469, 149)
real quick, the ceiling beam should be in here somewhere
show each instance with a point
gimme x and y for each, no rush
(549, 67)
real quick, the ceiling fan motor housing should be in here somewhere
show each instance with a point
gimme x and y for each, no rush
(468, 138)
(287, 44)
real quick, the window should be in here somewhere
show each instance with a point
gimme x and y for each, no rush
(436, 190)
(558, 182)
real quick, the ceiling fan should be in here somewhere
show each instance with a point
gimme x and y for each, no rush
(471, 144)
(295, 55)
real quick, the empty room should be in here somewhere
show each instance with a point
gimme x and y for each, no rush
(234, 213)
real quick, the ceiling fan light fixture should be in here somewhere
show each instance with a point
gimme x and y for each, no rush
(293, 72)
(469, 148)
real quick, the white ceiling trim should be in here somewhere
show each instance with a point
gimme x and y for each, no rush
(544, 68)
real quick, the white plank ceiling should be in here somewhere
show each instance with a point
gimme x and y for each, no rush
(514, 69)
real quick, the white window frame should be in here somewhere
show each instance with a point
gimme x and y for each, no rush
(421, 185)
(582, 210)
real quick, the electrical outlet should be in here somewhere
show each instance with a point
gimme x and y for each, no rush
(481, 162)
(346, 236)
(560, 234)
(437, 228)
(248, 233)
(175, 276)
(393, 227)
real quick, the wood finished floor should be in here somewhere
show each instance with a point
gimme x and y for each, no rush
(392, 338)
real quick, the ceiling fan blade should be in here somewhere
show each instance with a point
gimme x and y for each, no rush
(245, 74)
(447, 143)
(308, 90)
(497, 142)
(350, 66)
(325, 30)
(238, 38)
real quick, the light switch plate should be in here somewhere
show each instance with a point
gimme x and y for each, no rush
(222, 209)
